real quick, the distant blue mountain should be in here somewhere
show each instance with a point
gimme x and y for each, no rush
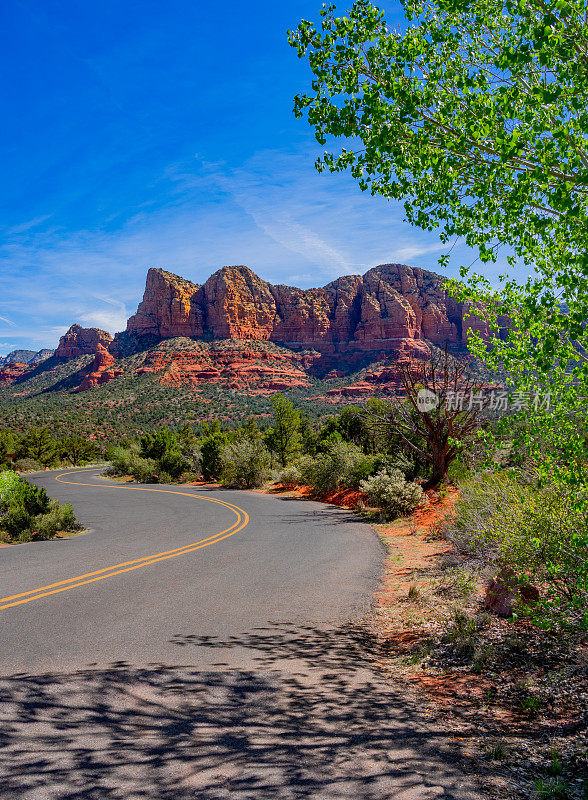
(26, 356)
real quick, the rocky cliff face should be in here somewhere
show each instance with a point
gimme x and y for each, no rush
(387, 309)
(253, 368)
(168, 308)
(12, 371)
(80, 341)
(102, 369)
(230, 327)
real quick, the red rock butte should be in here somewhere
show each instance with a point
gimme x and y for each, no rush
(391, 308)
(247, 334)
(80, 341)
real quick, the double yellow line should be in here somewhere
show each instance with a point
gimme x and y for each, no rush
(127, 566)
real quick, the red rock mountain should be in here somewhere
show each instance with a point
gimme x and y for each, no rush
(10, 372)
(80, 341)
(102, 369)
(252, 336)
(391, 308)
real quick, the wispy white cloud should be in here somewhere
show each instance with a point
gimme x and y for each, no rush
(411, 251)
(110, 319)
(269, 190)
(274, 213)
(43, 337)
(24, 227)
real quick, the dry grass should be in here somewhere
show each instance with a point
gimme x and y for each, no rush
(517, 694)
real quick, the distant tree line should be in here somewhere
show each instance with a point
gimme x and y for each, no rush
(38, 448)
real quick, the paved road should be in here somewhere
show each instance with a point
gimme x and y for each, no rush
(200, 643)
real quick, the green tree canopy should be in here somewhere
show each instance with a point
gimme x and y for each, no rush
(40, 445)
(475, 114)
(157, 444)
(284, 438)
(211, 450)
(477, 117)
(77, 449)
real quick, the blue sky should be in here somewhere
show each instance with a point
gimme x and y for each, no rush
(162, 134)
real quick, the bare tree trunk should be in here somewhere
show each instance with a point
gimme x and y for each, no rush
(439, 467)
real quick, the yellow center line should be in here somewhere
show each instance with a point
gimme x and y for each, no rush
(127, 566)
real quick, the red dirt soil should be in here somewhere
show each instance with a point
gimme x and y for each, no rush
(344, 498)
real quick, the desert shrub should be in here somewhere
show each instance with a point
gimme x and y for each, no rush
(538, 533)
(8, 482)
(245, 463)
(127, 461)
(17, 520)
(399, 461)
(120, 458)
(27, 465)
(67, 519)
(459, 470)
(155, 445)
(163, 447)
(290, 476)
(392, 492)
(58, 518)
(43, 527)
(464, 636)
(33, 499)
(143, 470)
(363, 469)
(333, 468)
(173, 464)
(30, 514)
(460, 582)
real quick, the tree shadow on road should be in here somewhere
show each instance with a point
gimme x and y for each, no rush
(310, 717)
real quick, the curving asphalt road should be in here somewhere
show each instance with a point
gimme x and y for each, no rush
(199, 643)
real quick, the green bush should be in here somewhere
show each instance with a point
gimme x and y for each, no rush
(45, 526)
(459, 471)
(290, 476)
(120, 459)
(127, 461)
(163, 477)
(392, 492)
(173, 464)
(8, 482)
(17, 520)
(27, 513)
(67, 519)
(30, 514)
(155, 445)
(246, 464)
(166, 468)
(211, 449)
(398, 461)
(363, 469)
(334, 468)
(144, 470)
(33, 499)
(538, 533)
